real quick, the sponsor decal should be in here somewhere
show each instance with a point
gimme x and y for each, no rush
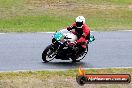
(83, 78)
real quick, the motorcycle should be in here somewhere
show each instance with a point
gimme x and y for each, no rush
(60, 48)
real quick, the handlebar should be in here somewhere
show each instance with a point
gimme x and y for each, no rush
(67, 38)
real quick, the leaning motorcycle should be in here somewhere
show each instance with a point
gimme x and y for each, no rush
(61, 47)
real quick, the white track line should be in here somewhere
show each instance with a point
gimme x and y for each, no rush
(94, 31)
(54, 32)
(108, 68)
(2, 33)
(45, 32)
(67, 69)
(125, 30)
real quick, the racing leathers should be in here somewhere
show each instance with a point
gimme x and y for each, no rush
(83, 34)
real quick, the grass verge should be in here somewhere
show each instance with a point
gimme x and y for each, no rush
(52, 15)
(57, 79)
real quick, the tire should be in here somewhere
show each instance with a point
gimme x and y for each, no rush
(45, 55)
(81, 57)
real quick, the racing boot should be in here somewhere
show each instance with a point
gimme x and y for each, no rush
(78, 53)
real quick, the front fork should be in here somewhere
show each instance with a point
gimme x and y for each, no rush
(54, 51)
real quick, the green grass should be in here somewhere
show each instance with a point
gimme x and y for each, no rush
(32, 24)
(8, 3)
(56, 79)
(52, 15)
(116, 2)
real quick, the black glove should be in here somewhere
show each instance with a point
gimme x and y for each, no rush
(74, 27)
(71, 27)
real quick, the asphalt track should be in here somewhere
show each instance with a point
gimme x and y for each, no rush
(22, 51)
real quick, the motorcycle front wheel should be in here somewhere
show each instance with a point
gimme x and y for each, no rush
(48, 54)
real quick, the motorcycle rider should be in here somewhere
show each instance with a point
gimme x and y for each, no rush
(82, 31)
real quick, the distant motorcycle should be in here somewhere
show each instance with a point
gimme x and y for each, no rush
(60, 48)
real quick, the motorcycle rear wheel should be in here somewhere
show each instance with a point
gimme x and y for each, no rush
(78, 59)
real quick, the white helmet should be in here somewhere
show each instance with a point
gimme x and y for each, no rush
(80, 20)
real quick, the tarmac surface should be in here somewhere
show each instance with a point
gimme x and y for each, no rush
(22, 51)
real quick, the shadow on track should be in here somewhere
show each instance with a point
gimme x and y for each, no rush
(68, 65)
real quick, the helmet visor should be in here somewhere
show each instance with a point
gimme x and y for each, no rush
(79, 24)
